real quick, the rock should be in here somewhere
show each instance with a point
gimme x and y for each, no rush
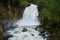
(32, 34)
(24, 30)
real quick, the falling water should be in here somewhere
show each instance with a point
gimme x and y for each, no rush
(26, 26)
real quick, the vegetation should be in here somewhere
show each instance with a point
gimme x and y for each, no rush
(49, 13)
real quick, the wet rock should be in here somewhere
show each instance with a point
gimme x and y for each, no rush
(43, 32)
(8, 26)
(24, 30)
(32, 34)
(7, 35)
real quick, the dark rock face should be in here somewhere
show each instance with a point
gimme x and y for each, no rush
(6, 27)
(43, 32)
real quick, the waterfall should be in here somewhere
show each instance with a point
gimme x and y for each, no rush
(26, 26)
(30, 16)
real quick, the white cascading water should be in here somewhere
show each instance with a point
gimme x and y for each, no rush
(26, 26)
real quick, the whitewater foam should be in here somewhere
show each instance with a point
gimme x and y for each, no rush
(29, 21)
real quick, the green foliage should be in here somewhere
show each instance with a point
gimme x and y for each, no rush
(23, 3)
(50, 14)
(50, 10)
